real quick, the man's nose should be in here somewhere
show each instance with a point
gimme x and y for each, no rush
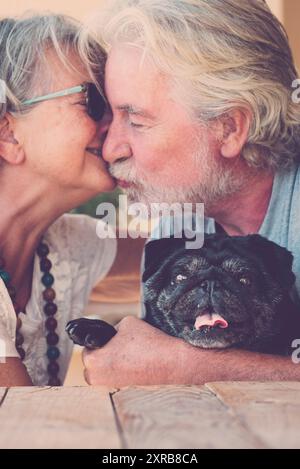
(115, 146)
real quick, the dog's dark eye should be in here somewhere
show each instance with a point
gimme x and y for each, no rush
(245, 281)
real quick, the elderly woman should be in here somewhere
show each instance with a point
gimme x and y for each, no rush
(51, 130)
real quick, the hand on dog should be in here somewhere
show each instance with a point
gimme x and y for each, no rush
(138, 354)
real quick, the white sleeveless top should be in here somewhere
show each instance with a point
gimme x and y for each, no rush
(79, 261)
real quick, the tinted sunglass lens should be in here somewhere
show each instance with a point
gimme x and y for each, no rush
(96, 103)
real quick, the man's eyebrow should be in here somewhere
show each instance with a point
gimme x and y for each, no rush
(130, 109)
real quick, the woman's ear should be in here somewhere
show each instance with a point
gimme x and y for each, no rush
(235, 130)
(10, 149)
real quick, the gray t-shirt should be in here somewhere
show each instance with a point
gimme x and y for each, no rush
(282, 221)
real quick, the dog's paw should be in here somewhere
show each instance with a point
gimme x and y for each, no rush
(90, 333)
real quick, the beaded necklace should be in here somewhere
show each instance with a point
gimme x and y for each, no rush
(50, 310)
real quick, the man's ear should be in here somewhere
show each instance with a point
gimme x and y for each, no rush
(235, 127)
(10, 149)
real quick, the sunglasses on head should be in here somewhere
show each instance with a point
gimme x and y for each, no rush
(95, 103)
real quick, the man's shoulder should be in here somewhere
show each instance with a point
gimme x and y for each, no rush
(288, 183)
(284, 208)
(296, 186)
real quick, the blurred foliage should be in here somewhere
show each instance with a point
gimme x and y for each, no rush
(90, 207)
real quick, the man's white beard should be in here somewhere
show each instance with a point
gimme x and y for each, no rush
(218, 181)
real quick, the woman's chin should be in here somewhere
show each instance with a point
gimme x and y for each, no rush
(104, 184)
(100, 178)
(109, 186)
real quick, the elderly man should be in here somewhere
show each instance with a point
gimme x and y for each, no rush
(201, 94)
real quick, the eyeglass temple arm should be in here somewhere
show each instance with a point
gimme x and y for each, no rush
(58, 94)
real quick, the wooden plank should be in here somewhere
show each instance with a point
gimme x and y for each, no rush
(74, 417)
(174, 417)
(271, 410)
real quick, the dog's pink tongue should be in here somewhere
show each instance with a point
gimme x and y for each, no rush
(212, 320)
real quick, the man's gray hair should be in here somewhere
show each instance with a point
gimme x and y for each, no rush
(24, 43)
(220, 55)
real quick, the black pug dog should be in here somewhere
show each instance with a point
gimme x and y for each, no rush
(233, 292)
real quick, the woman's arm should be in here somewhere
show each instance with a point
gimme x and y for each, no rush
(13, 373)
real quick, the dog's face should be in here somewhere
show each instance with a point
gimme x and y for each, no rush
(226, 293)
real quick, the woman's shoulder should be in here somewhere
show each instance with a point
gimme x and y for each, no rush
(7, 324)
(70, 221)
(75, 238)
(73, 230)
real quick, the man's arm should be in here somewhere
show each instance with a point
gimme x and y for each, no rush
(142, 355)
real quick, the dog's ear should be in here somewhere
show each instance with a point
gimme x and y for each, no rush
(278, 259)
(157, 251)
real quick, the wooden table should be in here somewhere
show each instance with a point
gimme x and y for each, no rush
(217, 415)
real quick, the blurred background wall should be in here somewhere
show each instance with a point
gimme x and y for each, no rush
(288, 11)
(291, 18)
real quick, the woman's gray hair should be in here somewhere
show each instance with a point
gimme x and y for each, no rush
(220, 55)
(24, 43)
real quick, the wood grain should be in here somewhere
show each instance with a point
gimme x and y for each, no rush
(77, 417)
(174, 417)
(271, 410)
(218, 415)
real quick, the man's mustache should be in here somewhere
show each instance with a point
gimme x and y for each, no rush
(123, 170)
